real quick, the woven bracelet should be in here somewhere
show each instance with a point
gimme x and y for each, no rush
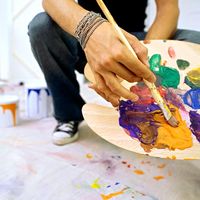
(87, 26)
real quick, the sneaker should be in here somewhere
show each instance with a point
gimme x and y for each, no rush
(65, 133)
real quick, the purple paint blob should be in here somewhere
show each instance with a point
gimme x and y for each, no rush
(138, 120)
(175, 99)
(195, 124)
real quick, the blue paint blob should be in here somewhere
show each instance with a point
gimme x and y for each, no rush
(192, 98)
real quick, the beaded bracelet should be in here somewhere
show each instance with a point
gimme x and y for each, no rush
(87, 26)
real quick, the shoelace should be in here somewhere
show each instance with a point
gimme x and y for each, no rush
(66, 126)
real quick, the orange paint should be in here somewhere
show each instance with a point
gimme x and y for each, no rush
(110, 196)
(138, 172)
(12, 108)
(170, 137)
(170, 173)
(157, 178)
(161, 166)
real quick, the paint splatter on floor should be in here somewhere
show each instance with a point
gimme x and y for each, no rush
(158, 178)
(138, 172)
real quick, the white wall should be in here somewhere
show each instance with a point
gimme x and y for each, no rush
(5, 34)
(189, 14)
(21, 62)
(23, 65)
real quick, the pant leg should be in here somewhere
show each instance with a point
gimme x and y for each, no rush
(59, 55)
(139, 35)
(187, 35)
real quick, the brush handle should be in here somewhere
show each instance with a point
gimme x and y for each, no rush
(156, 95)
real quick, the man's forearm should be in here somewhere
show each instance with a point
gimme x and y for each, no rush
(165, 24)
(66, 13)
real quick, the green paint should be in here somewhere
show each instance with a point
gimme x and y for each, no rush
(154, 62)
(189, 83)
(169, 77)
(182, 64)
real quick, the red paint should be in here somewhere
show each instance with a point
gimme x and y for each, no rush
(171, 52)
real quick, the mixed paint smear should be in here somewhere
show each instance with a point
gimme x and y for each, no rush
(144, 120)
(148, 125)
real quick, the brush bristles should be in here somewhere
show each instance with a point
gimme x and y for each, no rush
(173, 121)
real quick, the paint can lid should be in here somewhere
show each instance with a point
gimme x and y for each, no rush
(8, 99)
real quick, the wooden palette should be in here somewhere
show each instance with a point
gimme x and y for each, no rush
(104, 120)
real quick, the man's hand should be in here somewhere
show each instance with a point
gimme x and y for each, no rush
(109, 58)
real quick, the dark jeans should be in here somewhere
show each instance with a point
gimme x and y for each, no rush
(59, 55)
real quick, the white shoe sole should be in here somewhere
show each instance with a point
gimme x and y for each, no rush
(64, 141)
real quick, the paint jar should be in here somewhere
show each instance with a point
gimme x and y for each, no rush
(9, 112)
(38, 101)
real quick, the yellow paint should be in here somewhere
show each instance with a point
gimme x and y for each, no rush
(89, 156)
(157, 178)
(189, 159)
(12, 108)
(95, 184)
(138, 172)
(110, 196)
(194, 76)
(173, 157)
(170, 137)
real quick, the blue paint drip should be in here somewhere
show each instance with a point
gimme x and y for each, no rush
(192, 98)
(38, 91)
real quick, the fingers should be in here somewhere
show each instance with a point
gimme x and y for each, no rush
(136, 66)
(124, 73)
(141, 66)
(111, 89)
(116, 88)
(101, 88)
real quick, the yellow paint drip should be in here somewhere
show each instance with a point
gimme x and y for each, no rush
(12, 108)
(194, 76)
(95, 184)
(110, 196)
(170, 137)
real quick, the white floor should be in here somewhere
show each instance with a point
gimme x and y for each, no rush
(32, 168)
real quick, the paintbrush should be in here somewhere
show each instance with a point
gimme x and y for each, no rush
(156, 95)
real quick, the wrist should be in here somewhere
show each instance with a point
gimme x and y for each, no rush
(87, 26)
